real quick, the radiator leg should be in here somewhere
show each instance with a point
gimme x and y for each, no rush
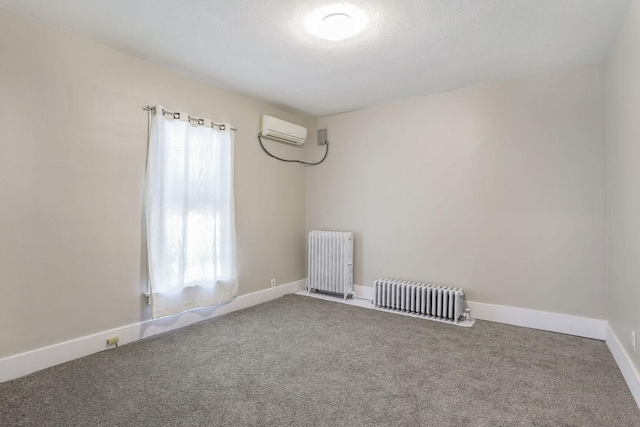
(349, 294)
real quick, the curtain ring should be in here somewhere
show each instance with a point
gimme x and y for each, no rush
(200, 122)
(221, 127)
(176, 115)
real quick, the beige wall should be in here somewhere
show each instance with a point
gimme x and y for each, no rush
(623, 155)
(499, 189)
(72, 156)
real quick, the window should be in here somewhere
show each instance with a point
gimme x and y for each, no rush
(190, 214)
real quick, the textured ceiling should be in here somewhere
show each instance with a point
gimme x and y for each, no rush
(410, 48)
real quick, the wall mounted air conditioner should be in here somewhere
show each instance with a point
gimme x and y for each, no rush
(282, 131)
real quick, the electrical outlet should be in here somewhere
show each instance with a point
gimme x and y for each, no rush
(633, 340)
(273, 283)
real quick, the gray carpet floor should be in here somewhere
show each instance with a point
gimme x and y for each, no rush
(299, 361)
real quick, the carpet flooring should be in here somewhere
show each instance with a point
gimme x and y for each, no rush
(299, 361)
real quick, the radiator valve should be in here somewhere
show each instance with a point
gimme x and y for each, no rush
(467, 314)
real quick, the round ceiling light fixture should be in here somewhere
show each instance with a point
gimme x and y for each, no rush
(336, 22)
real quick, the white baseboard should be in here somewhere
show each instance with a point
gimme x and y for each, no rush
(363, 291)
(554, 322)
(25, 363)
(565, 324)
(629, 371)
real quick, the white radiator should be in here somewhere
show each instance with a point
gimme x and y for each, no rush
(331, 262)
(440, 302)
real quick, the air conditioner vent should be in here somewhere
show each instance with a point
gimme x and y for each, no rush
(282, 131)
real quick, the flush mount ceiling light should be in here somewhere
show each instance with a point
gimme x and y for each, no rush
(336, 22)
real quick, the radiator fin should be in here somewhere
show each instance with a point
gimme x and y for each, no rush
(330, 262)
(441, 302)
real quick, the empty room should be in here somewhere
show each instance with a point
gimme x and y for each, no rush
(320, 213)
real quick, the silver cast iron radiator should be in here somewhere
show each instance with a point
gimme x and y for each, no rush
(330, 264)
(440, 302)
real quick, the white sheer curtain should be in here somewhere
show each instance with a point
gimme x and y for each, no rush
(190, 215)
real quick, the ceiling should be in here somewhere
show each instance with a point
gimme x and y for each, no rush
(410, 47)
